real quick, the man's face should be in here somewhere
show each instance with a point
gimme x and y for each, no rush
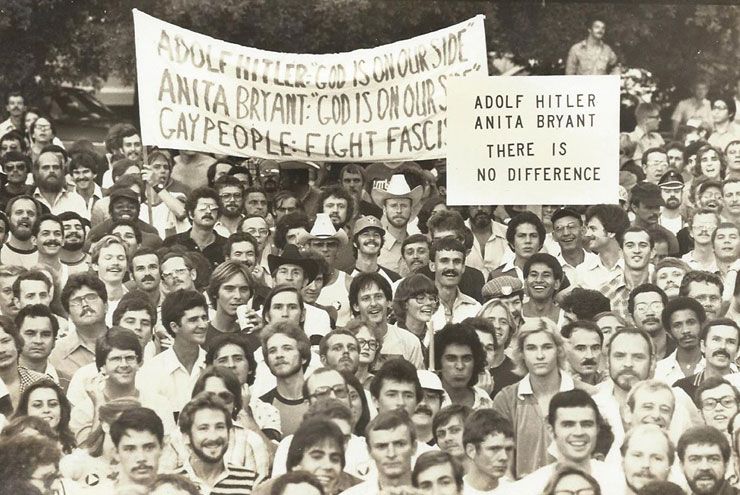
(685, 328)
(233, 293)
(192, 326)
(208, 438)
(480, 216)
(140, 322)
(702, 228)
(285, 206)
(669, 280)
(232, 199)
(427, 408)
(368, 242)
(704, 468)
(352, 183)
(290, 274)
(646, 459)
(285, 307)
(160, 168)
(397, 395)
(42, 131)
(342, 353)
(121, 366)
(675, 159)
(124, 209)
(656, 164)
(329, 248)
(256, 204)
(145, 272)
(636, 250)
(541, 282)
(720, 112)
(243, 251)
(392, 450)
(83, 177)
(652, 407)
(646, 214)
(8, 351)
(450, 436)
(138, 455)
(7, 300)
(257, 227)
(448, 268)
(398, 212)
(574, 431)
(372, 305)
(526, 240)
(232, 356)
(710, 164)
(33, 292)
(22, 217)
(324, 461)
(86, 308)
(540, 354)
(597, 30)
(568, 232)
(38, 338)
(652, 121)
(328, 385)
(50, 237)
(493, 455)
(732, 153)
(438, 480)
(648, 307)
(629, 360)
(15, 106)
(710, 198)
(205, 213)
(16, 171)
(596, 236)
(283, 356)
(720, 346)
(486, 340)
(131, 147)
(74, 235)
(457, 366)
(708, 295)
(111, 266)
(731, 197)
(718, 406)
(608, 325)
(176, 275)
(127, 235)
(336, 208)
(221, 170)
(50, 174)
(584, 351)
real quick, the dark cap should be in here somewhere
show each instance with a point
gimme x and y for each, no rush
(124, 192)
(564, 212)
(647, 194)
(671, 179)
(706, 185)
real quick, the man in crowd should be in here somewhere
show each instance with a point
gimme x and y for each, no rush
(15, 104)
(645, 305)
(231, 194)
(647, 455)
(636, 244)
(584, 348)
(49, 175)
(448, 427)
(203, 208)
(525, 234)
(489, 239)
(605, 224)
(460, 360)
(705, 287)
(437, 473)
(39, 328)
(671, 190)
(592, 55)
(704, 453)
(16, 167)
(567, 231)
(415, 252)
(488, 440)
(138, 437)
(447, 263)
(646, 133)
(146, 275)
(543, 276)
(702, 225)
(368, 241)
(14, 377)
(231, 286)
(23, 213)
(73, 254)
(683, 318)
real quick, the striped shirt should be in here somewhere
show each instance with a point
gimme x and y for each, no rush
(234, 480)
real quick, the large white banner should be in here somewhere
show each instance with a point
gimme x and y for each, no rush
(544, 140)
(385, 103)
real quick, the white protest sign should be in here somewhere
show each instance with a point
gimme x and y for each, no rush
(533, 140)
(385, 103)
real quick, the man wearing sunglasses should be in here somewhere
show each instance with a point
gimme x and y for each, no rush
(15, 166)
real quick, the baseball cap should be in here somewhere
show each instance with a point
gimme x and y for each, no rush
(368, 222)
(429, 380)
(503, 286)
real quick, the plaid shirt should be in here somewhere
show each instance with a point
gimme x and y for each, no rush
(618, 293)
(29, 377)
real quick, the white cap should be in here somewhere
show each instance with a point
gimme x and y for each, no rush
(429, 380)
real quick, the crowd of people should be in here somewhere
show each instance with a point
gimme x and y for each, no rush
(174, 322)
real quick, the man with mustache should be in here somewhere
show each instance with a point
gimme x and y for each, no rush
(704, 453)
(668, 274)
(428, 407)
(415, 251)
(447, 263)
(592, 55)
(16, 166)
(460, 359)
(19, 249)
(720, 338)
(72, 254)
(83, 167)
(702, 225)
(671, 190)
(646, 201)
(48, 235)
(338, 204)
(138, 438)
(15, 104)
(489, 239)
(488, 440)
(231, 192)
(203, 206)
(683, 317)
(725, 242)
(585, 343)
(39, 329)
(706, 287)
(604, 225)
(647, 456)
(448, 427)
(49, 175)
(206, 426)
(645, 305)
(368, 241)
(339, 350)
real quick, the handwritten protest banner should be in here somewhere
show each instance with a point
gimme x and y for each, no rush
(384, 103)
(550, 140)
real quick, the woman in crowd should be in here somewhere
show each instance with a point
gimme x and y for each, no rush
(415, 302)
(369, 345)
(44, 399)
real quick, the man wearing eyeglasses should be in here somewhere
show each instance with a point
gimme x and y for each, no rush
(231, 193)
(719, 402)
(567, 231)
(203, 206)
(725, 130)
(645, 305)
(646, 133)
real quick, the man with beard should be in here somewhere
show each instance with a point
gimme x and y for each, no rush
(645, 305)
(125, 204)
(447, 265)
(592, 56)
(15, 104)
(702, 225)
(646, 202)
(489, 239)
(671, 190)
(704, 453)
(202, 206)
(683, 317)
(339, 350)
(543, 276)
(460, 359)
(400, 203)
(16, 166)
(19, 250)
(584, 347)
(286, 351)
(720, 339)
(428, 407)
(668, 274)
(368, 242)
(49, 176)
(706, 288)
(604, 225)
(206, 425)
(231, 192)
(72, 254)
(338, 204)
(567, 231)
(415, 252)
(129, 144)
(83, 167)
(636, 245)
(85, 299)
(488, 440)
(647, 456)
(47, 236)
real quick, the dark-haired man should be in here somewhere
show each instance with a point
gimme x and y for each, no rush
(19, 249)
(636, 245)
(73, 254)
(592, 55)
(448, 264)
(603, 224)
(15, 104)
(584, 348)
(683, 317)
(38, 327)
(543, 276)
(704, 453)
(203, 206)
(489, 239)
(138, 437)
(488, 440)
(16, 167)
(525, 234)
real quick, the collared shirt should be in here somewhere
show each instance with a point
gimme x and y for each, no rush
(700, 265)
(214, 251)
(645, 141)
(222, 229)
(167, 376)
(496, 249)
(398, 342)
(618, 291)
(591, 59)
(70, 354)
(65, 201)
(96, 195)
(669, 371)
(570, 270)
(592, 273)
(390, 254)
(689, 108)
(463, 307)
(507, 268)
(29, 377)
(234, 480)
(518, 404)
(6, 126)
(720, 139)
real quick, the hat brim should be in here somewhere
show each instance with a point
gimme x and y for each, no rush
(379, 196)
(310, 268)
(340, 236)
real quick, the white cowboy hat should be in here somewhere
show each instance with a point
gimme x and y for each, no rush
(323, 229)
(397, 188)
